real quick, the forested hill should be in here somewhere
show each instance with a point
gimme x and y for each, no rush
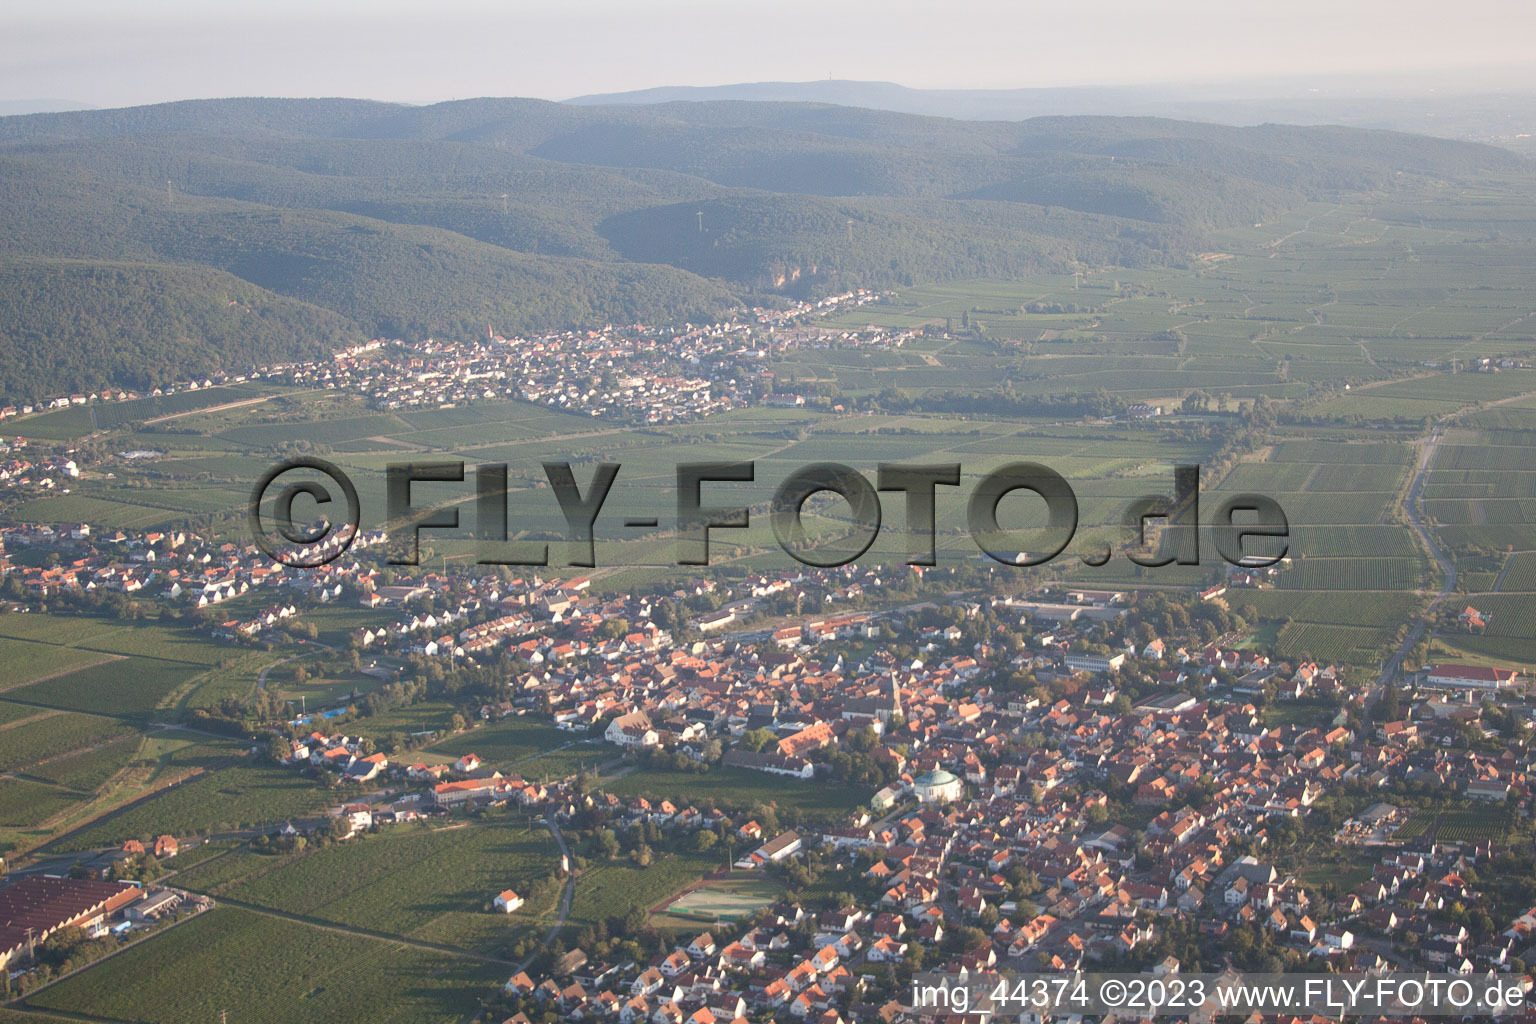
(351, 219)
(83, 326)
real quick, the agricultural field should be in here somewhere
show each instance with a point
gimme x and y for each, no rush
(151, 640)
(26, 661)
(1470, 824)
(31, 744)
(611, 888)
(1325, 643)
(101, 511)
(24, 803)
(1321, 574)
(220, 864)
(427, 717)
(53, 763)
(1341, 608)
(566, 762)
(88, 771)
(12, 712)
(80, 787)
(65, 423)
(235, 676)
(1511, 632)
(102, 666)
(128, 687)
(234, 791)
(779, 440)
(1480, 501)
(1519, 576)
(506, 743)
(432, 884)
(271, 971)
(1356, 570)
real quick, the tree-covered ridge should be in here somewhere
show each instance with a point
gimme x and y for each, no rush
(780, 147)
(393, 280)
(75, 326)
(415, 221)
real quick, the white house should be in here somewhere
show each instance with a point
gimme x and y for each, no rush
(632, 730)
(1095, 663)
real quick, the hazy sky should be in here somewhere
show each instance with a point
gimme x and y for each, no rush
(120, 52)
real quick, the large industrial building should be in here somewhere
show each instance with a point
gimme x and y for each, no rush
(35, 908)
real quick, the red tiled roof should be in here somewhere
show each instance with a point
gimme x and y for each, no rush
(46, 904)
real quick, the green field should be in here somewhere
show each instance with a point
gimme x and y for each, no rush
(10, 712)
(132, 687)
(505, 743)
(27, 745)
(563, 764)
(1481, 501)
(269, 971)
(431, 884)
(610, 889)
(1458, 825)
(25, 660)
(99, 665)
(24, 803)
(89, 770)
(144, 639)
(242, 793)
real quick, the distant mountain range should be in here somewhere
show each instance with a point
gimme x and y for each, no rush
(1455, 107)
(207, 231)
(9, 108)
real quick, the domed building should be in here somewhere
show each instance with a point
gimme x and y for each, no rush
(937, 787)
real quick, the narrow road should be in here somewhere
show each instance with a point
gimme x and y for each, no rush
(565, 896)
(1411, 502)
(1498, 582)
(1385, 949)
(209, 408)
(1274, 246)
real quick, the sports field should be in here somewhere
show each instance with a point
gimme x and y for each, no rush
(728, 898)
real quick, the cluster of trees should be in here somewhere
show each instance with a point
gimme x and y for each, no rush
(857, 760)
(662, 759)
(1007, 401)
(1057, 307)
(66, 950)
